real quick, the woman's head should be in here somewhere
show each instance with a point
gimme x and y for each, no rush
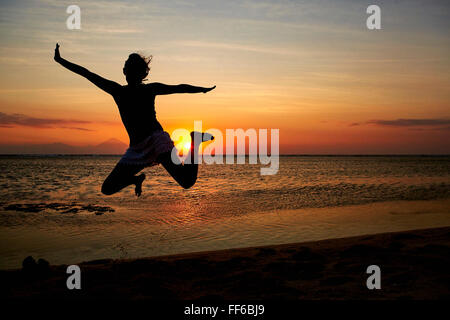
(136, 68)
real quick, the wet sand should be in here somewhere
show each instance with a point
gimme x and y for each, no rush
(414, 265)
(84, 235)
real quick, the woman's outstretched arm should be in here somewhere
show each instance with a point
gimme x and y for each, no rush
(161, 88)
(104, 84)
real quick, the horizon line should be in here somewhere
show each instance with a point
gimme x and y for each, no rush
(246, 155)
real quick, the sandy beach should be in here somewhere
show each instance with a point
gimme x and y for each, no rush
(414, 265)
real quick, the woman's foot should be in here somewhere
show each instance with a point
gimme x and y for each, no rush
(196, 139)
(199, 137)
(139, 180)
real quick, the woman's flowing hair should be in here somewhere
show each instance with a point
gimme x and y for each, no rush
(138, 64)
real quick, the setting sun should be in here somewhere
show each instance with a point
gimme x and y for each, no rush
(183, 144)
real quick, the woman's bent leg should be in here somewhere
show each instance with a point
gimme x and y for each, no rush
(121, 177)
(184, 174)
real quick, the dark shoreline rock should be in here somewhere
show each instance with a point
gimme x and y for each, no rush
(64, 208)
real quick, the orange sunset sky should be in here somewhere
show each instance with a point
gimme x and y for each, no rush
(308, 68)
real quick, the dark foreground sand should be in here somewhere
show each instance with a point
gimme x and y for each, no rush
(414, 265)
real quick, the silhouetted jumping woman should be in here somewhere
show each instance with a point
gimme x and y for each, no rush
(149, 143)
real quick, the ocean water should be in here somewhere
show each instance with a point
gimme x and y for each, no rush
(51, 206)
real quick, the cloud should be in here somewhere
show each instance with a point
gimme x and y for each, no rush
(77, 128)
(237, 47)
(413, 124)
(17, 119)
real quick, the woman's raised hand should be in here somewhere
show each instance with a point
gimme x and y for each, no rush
(208, 89)
(57, 55)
